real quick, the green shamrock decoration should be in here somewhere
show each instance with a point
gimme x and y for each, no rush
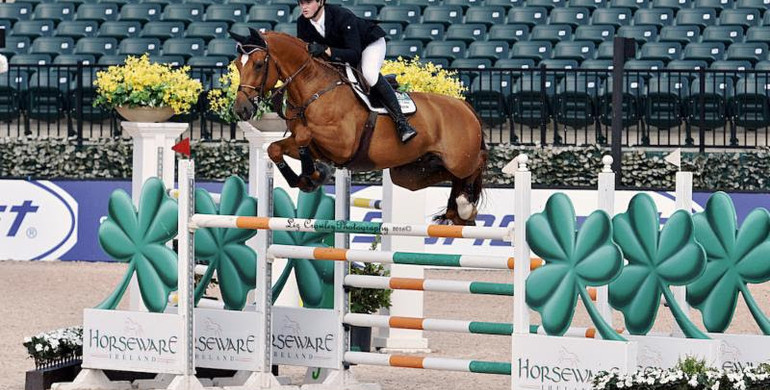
(735, 258)
(138, 238)
(573, 261)
(314, 278)
(225, 250)
(656, 260)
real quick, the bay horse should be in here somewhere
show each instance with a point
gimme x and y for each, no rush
(327, 120)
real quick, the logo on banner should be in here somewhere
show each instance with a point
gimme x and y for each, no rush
(38, 220)
(304, 336)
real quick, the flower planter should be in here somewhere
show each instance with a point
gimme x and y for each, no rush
(43, 378)
(270, 121)
(145, 114)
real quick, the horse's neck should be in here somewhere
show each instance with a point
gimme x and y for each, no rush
(309, 81)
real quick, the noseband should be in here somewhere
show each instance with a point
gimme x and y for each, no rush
(261, 89)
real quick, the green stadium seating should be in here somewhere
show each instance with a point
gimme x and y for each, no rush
(139, 46)
(472, 63)
(425, 3)
(575, 100)
(270, 13)
(574, 50)
(53, 46)
(665, 51)
(515, 63)
(120, 29)
(207, 30)
(633, 5)
(143, 12)
(559, 63)
(707, 51)
(365, 11)
(707, 108)
(243, 28)
(465, 4)
(675, 5)
(221, 47)
(552, 33)
(701, 17)
(687, 65)
(229, 13)
(13, 84)
(77, 29)
(613, 16)
(54, 11)
(208, 61)
(532, 49)
(531, 98)
(467, 32)
(724, 34)
(288, 28)
(596, 64)
(750, 107)
(487, 94)
(74, 59)
(97, 47)
(752, 51)
(718, 5)
(664, 100)
(377, 3)
(641, 34)
(101, 12)
(46, 95)
(112, 59)
(163, 29)
(184, 47)
(743, 17)
(633, 88)
(681, 34)
(508, 32)
(394, 31)
(425, 32)
(485, 15)
(595, 34)
(759, 5)
(407, 49)
(572, 16)
(488, 49)
(169, 60)
(604, 51)
(735, 65)
(589, 4)
(30, 59)
(86, 91)
(757, 34)
(15, 11)
(531, 16)
(547, 4)
(658, 17)
(404, 14)
(507, 4)
(187, 13)
(450, 50)
(33, 28)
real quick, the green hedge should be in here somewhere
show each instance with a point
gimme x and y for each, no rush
(559, 167)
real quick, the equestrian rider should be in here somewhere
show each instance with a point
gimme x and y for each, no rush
(336, 32)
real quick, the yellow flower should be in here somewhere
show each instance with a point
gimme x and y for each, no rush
(416, 76)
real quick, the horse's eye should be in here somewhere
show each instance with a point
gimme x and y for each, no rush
(258, 64)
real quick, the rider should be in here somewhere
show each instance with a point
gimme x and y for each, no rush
(342, 36)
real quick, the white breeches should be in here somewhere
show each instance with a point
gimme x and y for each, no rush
(371, 60)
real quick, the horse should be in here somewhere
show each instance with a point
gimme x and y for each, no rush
(326, 121)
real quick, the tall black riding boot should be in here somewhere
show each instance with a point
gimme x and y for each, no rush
(390, 101)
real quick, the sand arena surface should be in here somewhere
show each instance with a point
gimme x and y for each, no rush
(42, 296)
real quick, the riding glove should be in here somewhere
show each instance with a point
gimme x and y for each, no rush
(317, 49)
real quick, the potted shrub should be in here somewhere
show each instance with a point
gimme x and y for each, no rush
(57, 357)
(142, 91)
(366, 301)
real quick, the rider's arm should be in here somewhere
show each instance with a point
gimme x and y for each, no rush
(303, 30)
(351, 53)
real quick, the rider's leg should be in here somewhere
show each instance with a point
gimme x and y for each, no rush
(371, 62)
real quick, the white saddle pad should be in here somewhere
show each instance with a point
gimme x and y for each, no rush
(407, 104)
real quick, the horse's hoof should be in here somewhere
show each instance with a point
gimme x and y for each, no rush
(321, 174)
(305, 184)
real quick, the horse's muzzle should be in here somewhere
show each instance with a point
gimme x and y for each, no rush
(244, 108)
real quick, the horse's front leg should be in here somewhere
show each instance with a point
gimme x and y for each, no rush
(312, 176)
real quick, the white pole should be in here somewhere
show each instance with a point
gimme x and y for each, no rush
(341, 240)
(683, 202)
(521, 208)
(606, 188)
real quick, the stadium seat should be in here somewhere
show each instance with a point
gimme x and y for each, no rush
(404, 14)
(449, 15)
(143, 12)
(737, 65)
(591, 5)
(208, 61)
(74, 59)
(46, 95)
(766, 19)
(687, 65)
(163, 29)
(270, 13)
(365, 11)
(641, 34)
(426, 3)
(443, 63)
(485, 15)
(407, 49)
(752, 51)
(120, 29)
(487, 94)
(77, 29)
(464, 4)
(575, 100)
(515, 63)
(86, 91)
(97, 46)
(100, 12)
(633, 88)
(707, 108)
(15, 11)
(139, 46)
(758, 34)
(701, 17)
(207, 30)
(664, 100)
(675, 5)
(633, 5)
(750, 107)
(552, 33)
(743, 17)
(531, 16)
(288, 28)
(596, 64)
(376, 3)
(595, 34)
(33, 28)
(725, 34)
(511, 32)
(665, 51)
(559, 63)
(507, 4)
(547, 4)
(707, 51)
(493, 50)
(466, 32)
(168, 60)
(13, 84)
(531, 99)
(681, 34)
(112, 59)
(574, 50)
(185, 47)
(604, 51)
(186, 13)
(450, 50)
(243, 28)
(472, 63)
(228, 13)
(718, 5)
(30, 59)
(53, 45)
(221, 47)
(658, 17)
(643, 68)
(424, 32)
(572, 16)
(394, 31)
(759, 5)
(54, 11)
(613, 16)
(532, 49)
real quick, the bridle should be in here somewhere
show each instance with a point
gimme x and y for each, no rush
(261, 89)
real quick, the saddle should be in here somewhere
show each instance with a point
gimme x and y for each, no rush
(361, 88)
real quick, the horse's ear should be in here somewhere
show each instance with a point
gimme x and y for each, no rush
(238, 38)
(256, 38)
